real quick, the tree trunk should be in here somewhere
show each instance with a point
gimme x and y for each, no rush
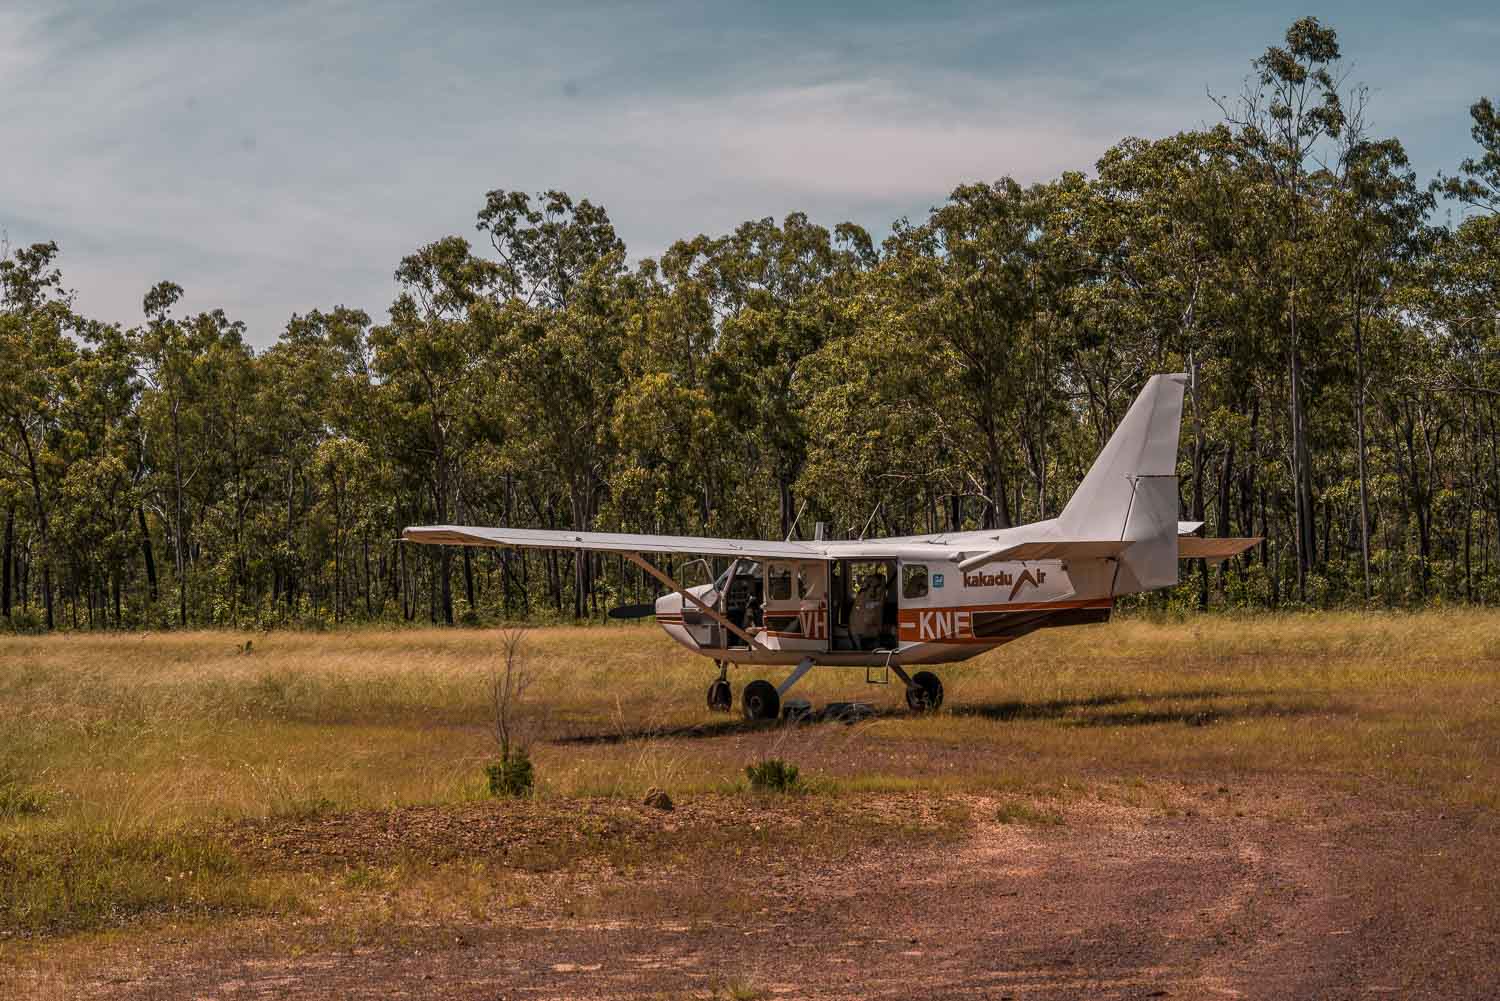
(7, 560)
(446, 562)
(1359, 440)
(469, 581)
(1198, 476)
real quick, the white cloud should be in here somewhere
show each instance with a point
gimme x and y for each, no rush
(276, 160)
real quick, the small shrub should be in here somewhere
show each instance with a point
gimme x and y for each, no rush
(309, 807)
(18, 801)
(739, 989)
(1017, 812)
(24, 622)
(511, 775)
(773, 775)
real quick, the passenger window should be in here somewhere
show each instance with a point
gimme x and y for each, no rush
(913, 581)
(779, 583)
(802, 584)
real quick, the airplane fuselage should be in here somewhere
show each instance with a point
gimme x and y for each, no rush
(921, 610)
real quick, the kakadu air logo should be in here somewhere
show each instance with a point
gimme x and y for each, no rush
(1001, 579)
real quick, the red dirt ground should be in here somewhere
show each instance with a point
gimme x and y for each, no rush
(1243, 893)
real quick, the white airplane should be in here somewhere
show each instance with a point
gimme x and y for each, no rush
(919, 599)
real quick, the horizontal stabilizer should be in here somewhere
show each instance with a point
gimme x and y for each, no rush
(1061, 549)
(1189, 548)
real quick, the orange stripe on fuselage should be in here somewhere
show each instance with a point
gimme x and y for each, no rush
(954, 624)
(1012, 606)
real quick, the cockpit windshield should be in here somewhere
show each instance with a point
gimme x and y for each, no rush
(742, 570)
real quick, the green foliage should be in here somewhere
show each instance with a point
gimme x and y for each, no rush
(961, 375)
(24, 621)
(512, 775)
(773, 775)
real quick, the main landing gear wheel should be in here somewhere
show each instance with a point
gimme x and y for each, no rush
(719, 697)
(759, 701)
(925, 693)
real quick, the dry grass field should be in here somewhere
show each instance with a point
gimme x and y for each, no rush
(1220, 807)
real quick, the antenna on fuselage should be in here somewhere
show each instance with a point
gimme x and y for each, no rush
(793, 530)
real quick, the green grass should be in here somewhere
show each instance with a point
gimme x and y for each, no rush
(180, 727)
(77, 880)
(121, 756)
(1022, 812)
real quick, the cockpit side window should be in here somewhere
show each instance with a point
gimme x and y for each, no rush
(913, 580)
(779, 582)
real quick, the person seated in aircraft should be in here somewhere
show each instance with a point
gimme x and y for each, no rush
(869, 609)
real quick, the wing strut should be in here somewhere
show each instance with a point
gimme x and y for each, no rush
(687, 595)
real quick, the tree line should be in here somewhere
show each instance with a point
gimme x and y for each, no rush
(962, 373)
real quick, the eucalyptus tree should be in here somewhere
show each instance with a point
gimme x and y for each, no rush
(426, 360)
(183, 364)
(681, 464)
(558, 384)
(980, 294)
(555, 319)
(1477, 183)
(36, 358)
(1457, 289)
(98, 496)
(301, 399)
(1290, 107)
(882, 441)
(166, 367)
(1162, 221)
(1373, 225)
(768, 284)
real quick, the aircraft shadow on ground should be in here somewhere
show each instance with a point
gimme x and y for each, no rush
(1083, 712)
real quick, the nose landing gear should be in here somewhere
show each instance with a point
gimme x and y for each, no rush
(720, 698)
(924, 692)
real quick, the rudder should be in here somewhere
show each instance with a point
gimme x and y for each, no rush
(1130, 492)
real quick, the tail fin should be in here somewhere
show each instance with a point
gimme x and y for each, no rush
(1130, 492)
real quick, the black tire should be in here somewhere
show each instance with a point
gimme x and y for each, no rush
(720, 698)
(926, 692)
(759, 701)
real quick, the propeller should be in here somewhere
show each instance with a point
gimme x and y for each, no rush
(632, 611)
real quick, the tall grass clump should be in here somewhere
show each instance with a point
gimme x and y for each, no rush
(773, 775)
(17, 796)
(17, 800)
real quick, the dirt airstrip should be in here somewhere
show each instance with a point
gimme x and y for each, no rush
(1253, 892)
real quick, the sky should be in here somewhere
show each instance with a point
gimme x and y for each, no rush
(273, 158)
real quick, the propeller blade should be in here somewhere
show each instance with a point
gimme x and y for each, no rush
(632, 611)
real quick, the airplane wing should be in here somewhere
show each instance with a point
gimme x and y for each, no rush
(1189, 548)
(609, 542)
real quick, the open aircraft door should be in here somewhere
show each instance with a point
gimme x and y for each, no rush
(796, 605)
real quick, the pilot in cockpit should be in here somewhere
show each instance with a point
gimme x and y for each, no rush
(866, 617)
